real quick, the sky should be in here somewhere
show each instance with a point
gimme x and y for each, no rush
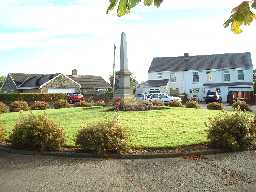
(56, 36)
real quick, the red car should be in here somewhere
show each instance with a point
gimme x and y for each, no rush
(75, 97)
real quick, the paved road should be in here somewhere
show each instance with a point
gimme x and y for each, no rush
(226, 172)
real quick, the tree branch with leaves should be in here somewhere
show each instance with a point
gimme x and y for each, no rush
(242, 15)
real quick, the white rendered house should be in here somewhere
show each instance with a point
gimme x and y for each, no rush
(195, 75)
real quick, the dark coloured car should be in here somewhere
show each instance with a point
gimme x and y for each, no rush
(75, 97)
(213, 96)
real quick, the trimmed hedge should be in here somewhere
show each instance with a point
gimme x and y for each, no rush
(2, 133)
(61, 103)
(37, 132)
(39, 105)
(215, 106)
(106, 136)
(175, 104)
(3, 108)
(31, 97)
(17, 106)
(241, 105)
(192, 104)
(233, 131)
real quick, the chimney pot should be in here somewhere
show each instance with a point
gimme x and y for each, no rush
(186, 54)
(74, 72)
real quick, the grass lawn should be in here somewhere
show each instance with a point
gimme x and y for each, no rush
(150, 129)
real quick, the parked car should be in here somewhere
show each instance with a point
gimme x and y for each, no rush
(75, 97)
(154, 97)
(168, 99)
(163, 97)
(213, 96)
(141, 97)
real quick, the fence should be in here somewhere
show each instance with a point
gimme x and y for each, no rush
(247, 96)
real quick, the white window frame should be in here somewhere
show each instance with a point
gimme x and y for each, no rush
(240, 74)
(226, 72)
(173, 77)
(194, 73)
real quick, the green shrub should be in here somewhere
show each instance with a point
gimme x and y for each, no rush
(136, 107)
(215, 106)
(2, 133)
(175, 103)
(17, 106)
(31, 97)
(83, 104)
(192, 104)
(232, 131)
(102, 137)
(37, 133)
(241, 105)
(61, 104)
(184, 98)
(100, 103)
(39, 105)
(3, 108)
(157, 103)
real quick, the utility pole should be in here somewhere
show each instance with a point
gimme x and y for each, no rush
(114, 72)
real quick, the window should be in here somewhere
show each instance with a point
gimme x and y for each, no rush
(172, 77)
(240, 74)
(159, 75)
(209, 75)
(195, 77)
(226, 75)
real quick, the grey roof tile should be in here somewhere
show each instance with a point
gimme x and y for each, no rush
(90, 81)
(156, 83)
(201, 62)
(31, 80)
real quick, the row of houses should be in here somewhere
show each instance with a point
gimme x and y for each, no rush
(192, 75)
(54, 83)
(195, 75)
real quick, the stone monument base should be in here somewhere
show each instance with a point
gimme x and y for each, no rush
(123, 90)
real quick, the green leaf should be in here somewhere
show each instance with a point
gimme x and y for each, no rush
(133, 3)
(157, 3)
(122, 8)
(241, 15)
(148, 2)
(112, 5)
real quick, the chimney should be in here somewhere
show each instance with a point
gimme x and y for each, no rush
(186, 54)
(74, 72)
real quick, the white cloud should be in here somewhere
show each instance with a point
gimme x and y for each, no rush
(82, 35)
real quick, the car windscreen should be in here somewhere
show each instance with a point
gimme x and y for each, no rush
(211, 93)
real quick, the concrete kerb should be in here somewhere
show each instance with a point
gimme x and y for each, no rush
(150, 155)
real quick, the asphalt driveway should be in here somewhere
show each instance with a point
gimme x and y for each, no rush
(223, 172)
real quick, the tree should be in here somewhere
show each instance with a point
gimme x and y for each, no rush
(133, 82)
(241, 15)
(2, 79)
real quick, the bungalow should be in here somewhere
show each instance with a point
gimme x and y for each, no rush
(195, 75)
(53, 83)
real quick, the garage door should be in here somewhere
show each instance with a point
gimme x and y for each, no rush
(55, 90)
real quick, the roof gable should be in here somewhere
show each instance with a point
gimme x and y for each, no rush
(201, 62)
(31, 80)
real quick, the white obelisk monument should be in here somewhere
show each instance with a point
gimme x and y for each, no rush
(123, 89)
